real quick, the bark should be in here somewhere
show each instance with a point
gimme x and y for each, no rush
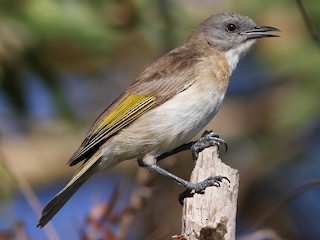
(211, 215)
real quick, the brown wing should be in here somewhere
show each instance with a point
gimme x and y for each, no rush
(111, 122)
(166, 77)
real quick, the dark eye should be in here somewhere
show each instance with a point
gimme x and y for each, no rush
(231, 27)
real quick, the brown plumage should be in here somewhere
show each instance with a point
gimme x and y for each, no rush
(166, 77)
(167, 105)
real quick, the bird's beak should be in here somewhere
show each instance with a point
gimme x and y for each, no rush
(261, 32)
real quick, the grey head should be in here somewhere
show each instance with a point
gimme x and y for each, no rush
(226, 31)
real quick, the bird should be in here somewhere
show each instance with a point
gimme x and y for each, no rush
(166, 106)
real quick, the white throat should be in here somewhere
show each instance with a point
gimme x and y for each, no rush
(234, 54)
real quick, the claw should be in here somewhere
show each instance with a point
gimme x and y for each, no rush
(185, 194)
(225, 179)
(216, 137)
(199, 187)
(207, 139)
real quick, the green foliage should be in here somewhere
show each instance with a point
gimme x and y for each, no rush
(44, 36)
(68, 20)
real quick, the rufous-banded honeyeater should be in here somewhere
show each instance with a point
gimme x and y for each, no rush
(167, 105)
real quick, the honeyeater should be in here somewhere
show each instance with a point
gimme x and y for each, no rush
(166, 106)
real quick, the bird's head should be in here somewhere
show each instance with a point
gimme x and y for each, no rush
(233, 34)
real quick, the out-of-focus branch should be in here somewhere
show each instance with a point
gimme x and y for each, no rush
(308, 22)
(28, 193)
(212, 214)
(103, 214)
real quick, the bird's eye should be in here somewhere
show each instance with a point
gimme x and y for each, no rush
(231, 27)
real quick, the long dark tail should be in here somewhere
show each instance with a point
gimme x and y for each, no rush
(66, 193)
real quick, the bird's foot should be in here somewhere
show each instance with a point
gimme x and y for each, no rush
(199, 187)
(207, 139)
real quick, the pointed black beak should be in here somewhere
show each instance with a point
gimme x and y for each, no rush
(261, 32)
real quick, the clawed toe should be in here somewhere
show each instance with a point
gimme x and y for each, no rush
(210, 181)
(207, 139)
(215, 181)
(199, 187)
(213, 138)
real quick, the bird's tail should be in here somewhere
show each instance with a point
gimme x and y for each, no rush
(66, 193)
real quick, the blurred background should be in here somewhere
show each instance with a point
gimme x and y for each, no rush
(63, 61)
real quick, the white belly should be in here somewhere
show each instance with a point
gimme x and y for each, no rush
(171, 124)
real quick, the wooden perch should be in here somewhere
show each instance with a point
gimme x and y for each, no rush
(211, 215)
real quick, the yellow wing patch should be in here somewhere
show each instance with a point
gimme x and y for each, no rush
(127, 111)
(130, 109)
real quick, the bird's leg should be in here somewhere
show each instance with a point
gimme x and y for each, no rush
(197, 187)
(186, 146)
(208, 139)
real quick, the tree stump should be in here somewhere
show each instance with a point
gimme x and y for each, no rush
(211, 215)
